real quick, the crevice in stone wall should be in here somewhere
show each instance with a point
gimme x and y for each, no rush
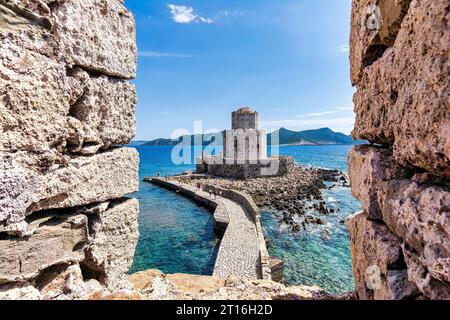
(89, 272)
(47, 275)
(388, 17)
(373, 53)
(25, 13)
(95, 73)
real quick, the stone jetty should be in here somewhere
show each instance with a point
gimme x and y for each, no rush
(242, 252)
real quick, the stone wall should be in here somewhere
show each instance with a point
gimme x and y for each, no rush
(66, 229)
(271, 167)
(400, 243)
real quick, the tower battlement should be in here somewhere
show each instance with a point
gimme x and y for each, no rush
(244, 118)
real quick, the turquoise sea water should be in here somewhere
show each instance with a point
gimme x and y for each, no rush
(309, 258)
(177, 236)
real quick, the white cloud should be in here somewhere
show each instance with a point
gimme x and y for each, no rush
(228, 13)
(345, 48)
(349, 108)
(325, 113)
(319, 114)
(206, 20)
(185, 15)
(157, 54)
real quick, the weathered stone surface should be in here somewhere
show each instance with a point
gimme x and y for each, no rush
(369, 166)
(403, 97)
(19, 291)
(91, 35)
(34, 89)
(114, 235)
(143, 279)
(63, 97)
(420, 215)
(417, 273)
(17, 186)
(43, 106)
(37, 11)
(106, 110)
(378, 266)
(374, 27)
(111, 174)
(65, 282)
(195, 287)
(58, 240)
(121, 295)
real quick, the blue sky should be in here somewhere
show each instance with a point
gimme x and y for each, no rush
(202, 59)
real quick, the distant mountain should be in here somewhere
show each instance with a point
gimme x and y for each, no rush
(206, 138)
(324, 136)
(136, 143)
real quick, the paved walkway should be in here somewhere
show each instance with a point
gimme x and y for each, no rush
(239, 248)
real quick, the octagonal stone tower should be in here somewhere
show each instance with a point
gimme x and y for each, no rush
(244, 118)
(245, 151)
(244, 143)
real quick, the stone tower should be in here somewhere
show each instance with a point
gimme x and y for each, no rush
(244, 143)
(244, 118)
(245, 151)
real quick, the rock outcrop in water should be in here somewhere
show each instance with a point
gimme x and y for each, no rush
(66, 229)
(400, 65)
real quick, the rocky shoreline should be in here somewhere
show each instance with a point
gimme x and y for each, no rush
(154, 285)
(293, 197)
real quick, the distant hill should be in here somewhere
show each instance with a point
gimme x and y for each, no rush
(324, 136)
(206, 138)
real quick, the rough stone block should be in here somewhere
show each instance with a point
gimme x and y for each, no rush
(114, 234)
(369, 166)
(106, 110)
(80, 181)
(58, 240)
(418, 274)
(43, 106)
(420, 215)
(403, 97)
(377, 261)
(37, 11)
(19, 291)
(111, 174)
(98, 35)
(65, 282)
(374, 27)
(34, 88)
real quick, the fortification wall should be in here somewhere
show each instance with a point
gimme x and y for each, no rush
(400, 65)
(66, 229)
(271, 167)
